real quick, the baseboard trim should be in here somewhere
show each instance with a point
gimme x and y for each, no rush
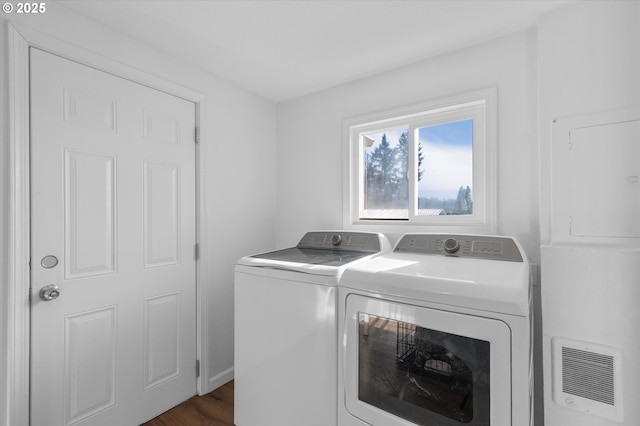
(219, 379)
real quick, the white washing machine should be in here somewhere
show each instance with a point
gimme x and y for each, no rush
(437, 333)
(286, 332)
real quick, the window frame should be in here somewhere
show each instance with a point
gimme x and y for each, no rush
(481, 106)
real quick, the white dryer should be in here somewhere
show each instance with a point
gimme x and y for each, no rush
(437, 333)
(286, 331)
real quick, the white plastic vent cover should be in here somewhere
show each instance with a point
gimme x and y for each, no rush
(587, 377)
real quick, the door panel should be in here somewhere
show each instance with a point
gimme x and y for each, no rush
(90, 387)
(161, 214)
(113, 199)
(161, 353)
(89, 213)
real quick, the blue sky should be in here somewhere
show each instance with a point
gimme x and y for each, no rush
(448, 159)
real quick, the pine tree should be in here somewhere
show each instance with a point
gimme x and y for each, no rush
(420, 159)
(464, 203)
(387, 173)
(381, 175)
(402, 156)
(468, 201)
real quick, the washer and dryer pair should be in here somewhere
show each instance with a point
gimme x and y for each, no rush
(436, 332)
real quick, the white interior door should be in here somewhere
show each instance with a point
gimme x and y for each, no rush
(113, 226)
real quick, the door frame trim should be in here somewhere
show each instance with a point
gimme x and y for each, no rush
(17, 362)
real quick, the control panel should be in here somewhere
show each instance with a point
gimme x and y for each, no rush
(468, 246)
(339, 240)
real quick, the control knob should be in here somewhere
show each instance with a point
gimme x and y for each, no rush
(336, 240)
(451, 245)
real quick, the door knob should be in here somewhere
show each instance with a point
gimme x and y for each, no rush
(49, 292)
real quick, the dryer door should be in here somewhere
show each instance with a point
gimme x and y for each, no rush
(411, 365)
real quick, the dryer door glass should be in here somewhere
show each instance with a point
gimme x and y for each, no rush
(409, 371)
(424, 366)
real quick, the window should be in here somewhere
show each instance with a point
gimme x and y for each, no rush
(428, 165)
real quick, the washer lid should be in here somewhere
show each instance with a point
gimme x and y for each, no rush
(313, 256)
(308, 261)
(322, 252)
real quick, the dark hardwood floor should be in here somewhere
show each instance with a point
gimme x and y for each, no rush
(212, 409)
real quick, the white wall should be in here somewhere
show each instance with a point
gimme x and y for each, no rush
(310, 141)
(240, 157)
(589, 63)
(310, 134)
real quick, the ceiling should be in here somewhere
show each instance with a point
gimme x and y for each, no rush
(283, 49)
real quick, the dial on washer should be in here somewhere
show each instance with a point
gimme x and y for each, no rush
(451, 245)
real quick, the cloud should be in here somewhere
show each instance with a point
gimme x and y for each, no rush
(446, 168)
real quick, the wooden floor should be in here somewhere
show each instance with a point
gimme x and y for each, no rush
(212, 409)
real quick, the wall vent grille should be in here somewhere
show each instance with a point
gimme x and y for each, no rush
(588, 375)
